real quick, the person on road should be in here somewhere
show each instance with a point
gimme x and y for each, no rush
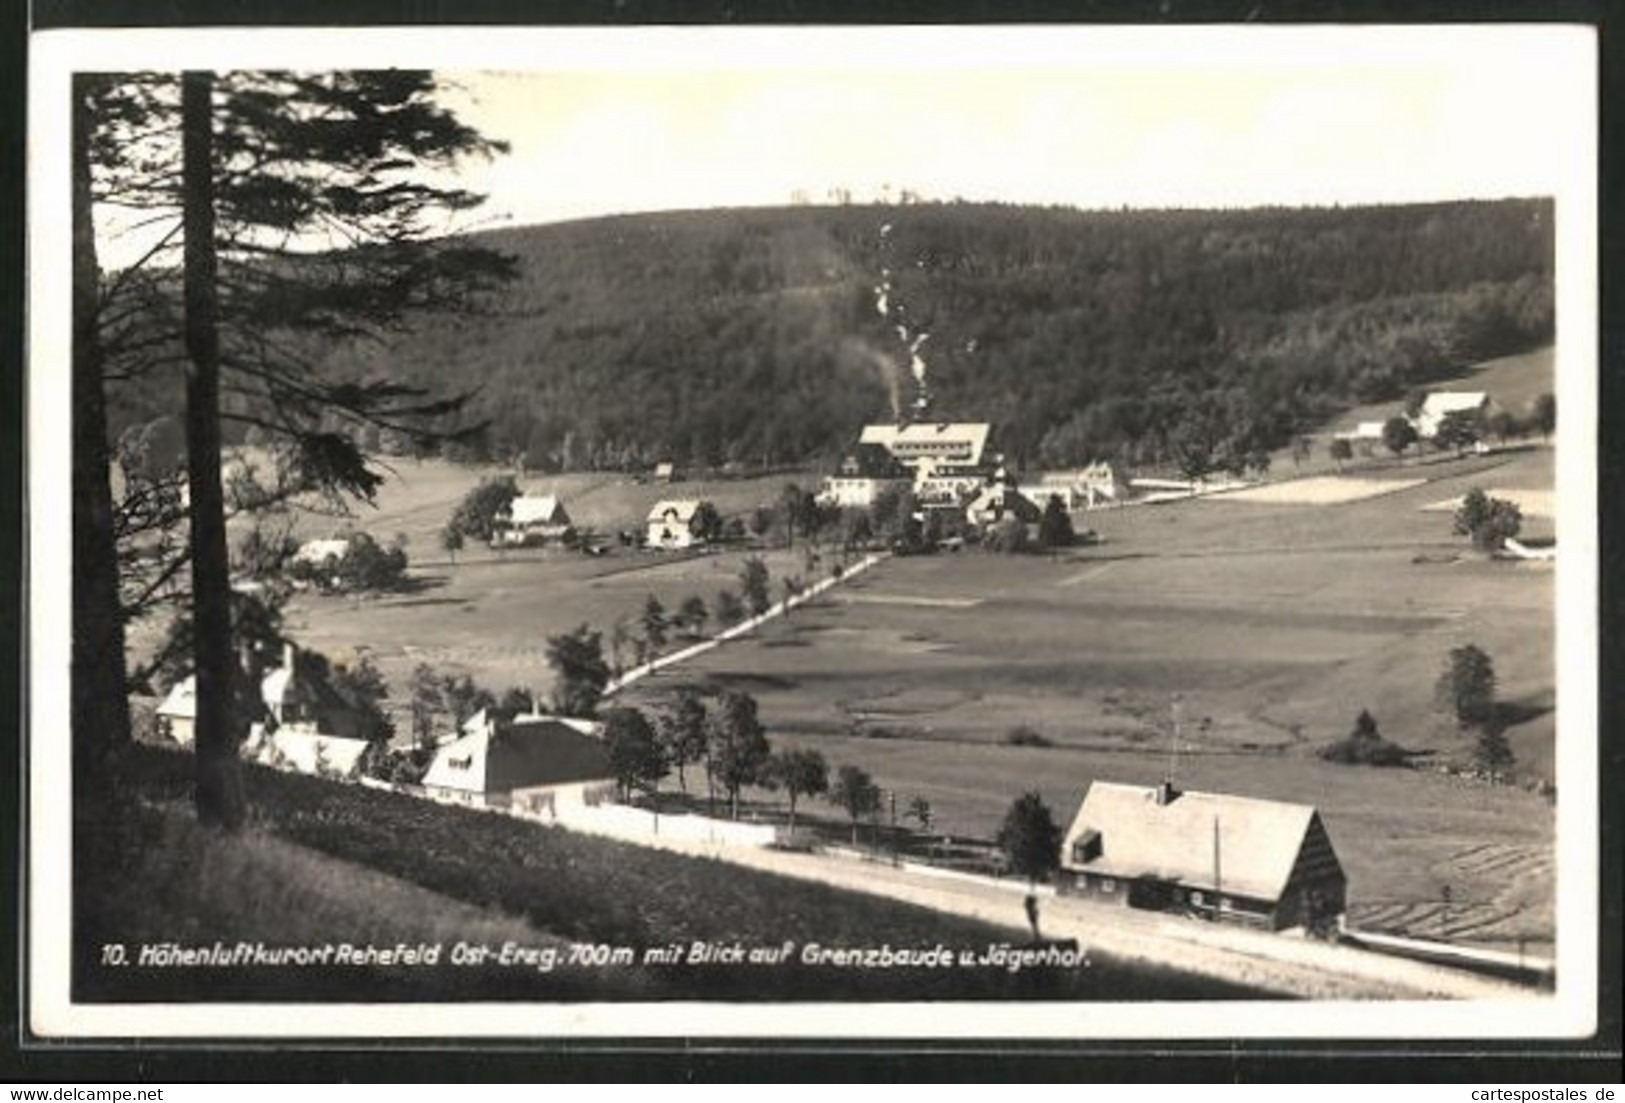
(1032, 914)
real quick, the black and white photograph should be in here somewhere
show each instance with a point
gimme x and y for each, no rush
(1073, 533)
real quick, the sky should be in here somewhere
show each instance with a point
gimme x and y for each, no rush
(1077, 118)
(616, 120)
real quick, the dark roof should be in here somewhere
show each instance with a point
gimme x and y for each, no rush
(1259, 841)
(543, 751)
(524, 753)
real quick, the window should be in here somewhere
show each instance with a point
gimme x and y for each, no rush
(1198, 898)
(1108, 884)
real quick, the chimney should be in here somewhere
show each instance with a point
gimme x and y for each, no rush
(1165, 793)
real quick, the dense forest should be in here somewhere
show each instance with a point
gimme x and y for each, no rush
(768, 336)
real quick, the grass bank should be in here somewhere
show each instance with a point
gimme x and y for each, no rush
(324, 862)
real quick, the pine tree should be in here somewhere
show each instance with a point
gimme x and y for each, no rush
(303, 220)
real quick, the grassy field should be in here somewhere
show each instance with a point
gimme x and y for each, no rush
(1275, 623)
(1256, 628)
(489, 615)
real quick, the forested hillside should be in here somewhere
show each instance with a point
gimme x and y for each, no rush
(758, 336)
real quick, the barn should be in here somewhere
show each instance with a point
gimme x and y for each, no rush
(1260, 863)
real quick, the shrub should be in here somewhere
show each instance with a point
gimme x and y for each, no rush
(1024, 736)
(1489, 521)
(1030, 838)
(1365, 746)
(1008, 536)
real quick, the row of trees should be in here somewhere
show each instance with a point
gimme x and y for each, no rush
(724, 736)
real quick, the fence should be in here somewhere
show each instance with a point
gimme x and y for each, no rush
(638, 825)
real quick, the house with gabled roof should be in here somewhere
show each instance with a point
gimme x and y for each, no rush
(1000, 502)
(532, 519)
(864, 474)
(526, 761)
(303, 723)
(1262, 863)
(671, 523)
(1439, 405)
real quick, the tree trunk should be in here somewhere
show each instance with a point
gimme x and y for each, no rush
(99, 711)
(219, 794)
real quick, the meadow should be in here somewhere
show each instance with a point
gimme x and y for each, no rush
(488, 613)
(1223, 640)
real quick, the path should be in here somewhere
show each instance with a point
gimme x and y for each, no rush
(1281, 964)
(749, 624)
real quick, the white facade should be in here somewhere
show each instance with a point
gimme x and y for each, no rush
(948, 444)
(856, 491)
(531, 519)
(671, 524)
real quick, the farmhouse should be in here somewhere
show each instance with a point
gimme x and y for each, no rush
(305, 724)
(863, 477)
(1440, 404)
(306, 751)
(1002, 501)
(1257, 862)
(529, 762)
(671, 524)
(1086, 488)
(532, 520)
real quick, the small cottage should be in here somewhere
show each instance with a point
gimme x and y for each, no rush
(1261, 863)
(532, 520)
(1441, 404)
(1002, 501)
(671, 524)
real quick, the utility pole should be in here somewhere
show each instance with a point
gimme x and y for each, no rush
(1176, 710)
(1218, 881)
(892, 801)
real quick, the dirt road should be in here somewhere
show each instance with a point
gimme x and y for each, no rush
(1280, 964)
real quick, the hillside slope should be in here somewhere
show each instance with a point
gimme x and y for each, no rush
(764, 336)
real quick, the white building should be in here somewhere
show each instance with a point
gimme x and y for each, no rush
(671, 524)
(529, 519)
(306, 725)
(1097, 484)
(529, 762)
(863, 477)
(948, 445)
(1441, 404)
